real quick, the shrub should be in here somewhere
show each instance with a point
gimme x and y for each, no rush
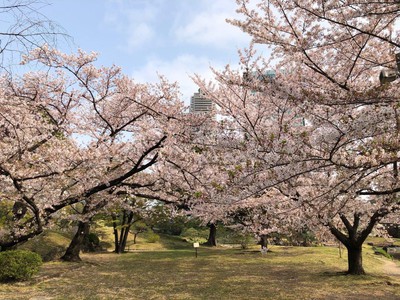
(152, 237)
(243, 239)
(246, 240)
(18, 265)
(91, 243)
(193, 235)
(171, 227)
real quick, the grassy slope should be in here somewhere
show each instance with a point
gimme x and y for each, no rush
(49, 245)
(285, 273)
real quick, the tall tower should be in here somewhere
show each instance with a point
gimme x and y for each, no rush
(199, 103)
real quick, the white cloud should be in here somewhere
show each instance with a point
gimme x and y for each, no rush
(172, 22)
(139, 35)
(209, 27)
(179, 69)
(133, 20)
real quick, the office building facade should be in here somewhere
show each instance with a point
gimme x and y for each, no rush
(199, 103)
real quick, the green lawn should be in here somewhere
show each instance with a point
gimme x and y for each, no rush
(285, 273)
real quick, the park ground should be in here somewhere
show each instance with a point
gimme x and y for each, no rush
(159, 272)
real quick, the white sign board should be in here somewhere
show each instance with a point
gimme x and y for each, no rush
(196, 245)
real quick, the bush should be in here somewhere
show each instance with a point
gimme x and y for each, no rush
(169, 226)
(152, 237)
(18, 265)
(91, 243)
(243, 239)
(193, 235)
(246, 240)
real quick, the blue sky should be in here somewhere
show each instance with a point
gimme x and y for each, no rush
(173, 37)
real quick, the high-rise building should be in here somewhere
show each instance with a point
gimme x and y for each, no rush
(199, 103)
(268, 76)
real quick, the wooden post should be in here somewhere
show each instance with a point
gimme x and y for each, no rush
(196, 246)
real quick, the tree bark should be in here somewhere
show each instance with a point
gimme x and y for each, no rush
(120, 242)
(263, 241)
(74, 248)
(355, 238)
(125, 234)
(116, 240)
(354, 255)
(212, 237)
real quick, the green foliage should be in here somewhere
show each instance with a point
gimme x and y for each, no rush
(5, 209)
(309, 238)
(231, 174)
(193, 235)
(301, 237)
(230, 236)
(167, 225)
(295, 237)
(381, 251)
(139, 227)
(6, 217)
(18, 265)
(197, 194)
(219, 187)
(152, 237)
(243, 239)
(91, 243)
(198, 149)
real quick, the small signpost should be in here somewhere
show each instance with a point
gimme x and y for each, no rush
(196, 246)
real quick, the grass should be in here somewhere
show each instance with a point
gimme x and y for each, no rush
(49, 245)
(284, 273)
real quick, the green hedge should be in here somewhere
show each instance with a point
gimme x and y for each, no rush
(18, 265)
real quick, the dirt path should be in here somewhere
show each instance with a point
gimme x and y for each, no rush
(391, 268)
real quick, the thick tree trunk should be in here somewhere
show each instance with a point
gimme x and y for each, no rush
(74, 248)
(355, 238)
(212, 237)
(354, 255)
(263, 241)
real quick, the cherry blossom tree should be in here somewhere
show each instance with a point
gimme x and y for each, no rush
(324, 132)
(76, 133)
(191, 173)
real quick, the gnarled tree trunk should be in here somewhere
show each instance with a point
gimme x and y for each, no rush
(74, 248)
